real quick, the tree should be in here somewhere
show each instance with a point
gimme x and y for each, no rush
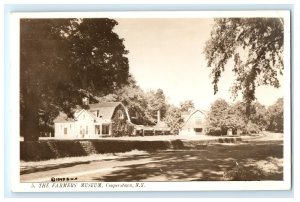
(142, 107)
(62, 60)
(223, 116)
(275, 116)
(99, 55)
(174, 119)
(217, 118)
(42, 55)
(156, 102)
(187, 106)
(256, 47)
(253, 123)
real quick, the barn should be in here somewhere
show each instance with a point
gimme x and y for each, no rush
(98, 120)
(194, 123)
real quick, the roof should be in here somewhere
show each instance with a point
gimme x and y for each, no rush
(161, 125)
(106, 109)
(188, 124)
(63, 118)
(104, 104)
(185, 115)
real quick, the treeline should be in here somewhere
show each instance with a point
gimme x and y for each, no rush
(223, 116)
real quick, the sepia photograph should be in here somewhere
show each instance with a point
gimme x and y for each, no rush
(115, 101)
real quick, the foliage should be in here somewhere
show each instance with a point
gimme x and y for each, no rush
(62, 60)
(187, 106)
(174, 119)
(242, 173)
(122, 128)
(223, 116)
(142, 106)
(275, 116)
(98, 53)
(217, 118)
(45, 149)
(156, 102)
(256, 47)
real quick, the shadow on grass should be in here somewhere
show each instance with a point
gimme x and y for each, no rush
(50, 167)
(196, 165)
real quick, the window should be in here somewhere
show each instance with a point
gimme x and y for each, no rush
(65, 131)
(86, 130)
(198, 130)
(105, 129)
(120, 114)
(97, 129)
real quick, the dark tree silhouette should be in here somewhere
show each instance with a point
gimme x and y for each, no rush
(63, 59)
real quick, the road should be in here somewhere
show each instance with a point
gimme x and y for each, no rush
(208, 163)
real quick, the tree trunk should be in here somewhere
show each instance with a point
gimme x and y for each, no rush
(30, 129)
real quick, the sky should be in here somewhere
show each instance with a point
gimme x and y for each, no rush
(168, 54)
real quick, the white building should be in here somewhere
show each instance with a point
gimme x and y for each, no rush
(194, 123)
(99, 120)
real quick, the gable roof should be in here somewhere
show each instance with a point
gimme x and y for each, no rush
(63, 118)
(105, 109)
(188, 124)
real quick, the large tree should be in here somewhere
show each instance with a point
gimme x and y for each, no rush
(218, 118)
(98, 54)
(62, 60)
(223, 116)
(256, 47)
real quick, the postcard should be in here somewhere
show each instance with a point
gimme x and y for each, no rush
(150, 101)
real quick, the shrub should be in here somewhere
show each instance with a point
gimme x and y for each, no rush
(241, 173)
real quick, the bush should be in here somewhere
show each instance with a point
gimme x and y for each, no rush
(240, 173)
(214, 132)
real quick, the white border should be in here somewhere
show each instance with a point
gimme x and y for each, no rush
(150, 186)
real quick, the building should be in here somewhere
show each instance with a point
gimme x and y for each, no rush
(99, 120)
(161, 128)
(194, 123)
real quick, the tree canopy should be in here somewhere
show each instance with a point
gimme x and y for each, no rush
(223, 116)
(62, 60)
(187, 106)
(256, 47)
(275, 116)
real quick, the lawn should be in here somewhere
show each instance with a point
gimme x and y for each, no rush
(255, 159)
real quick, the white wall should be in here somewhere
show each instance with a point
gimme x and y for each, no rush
(60, 127)
(83, 120)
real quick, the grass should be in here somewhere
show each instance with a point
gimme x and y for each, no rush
(52, 148)
(252, 160)
(25, 165)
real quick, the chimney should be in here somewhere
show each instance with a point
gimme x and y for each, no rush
(158, 116)
(85, 101)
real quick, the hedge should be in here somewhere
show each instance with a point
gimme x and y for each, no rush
(52, 149)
